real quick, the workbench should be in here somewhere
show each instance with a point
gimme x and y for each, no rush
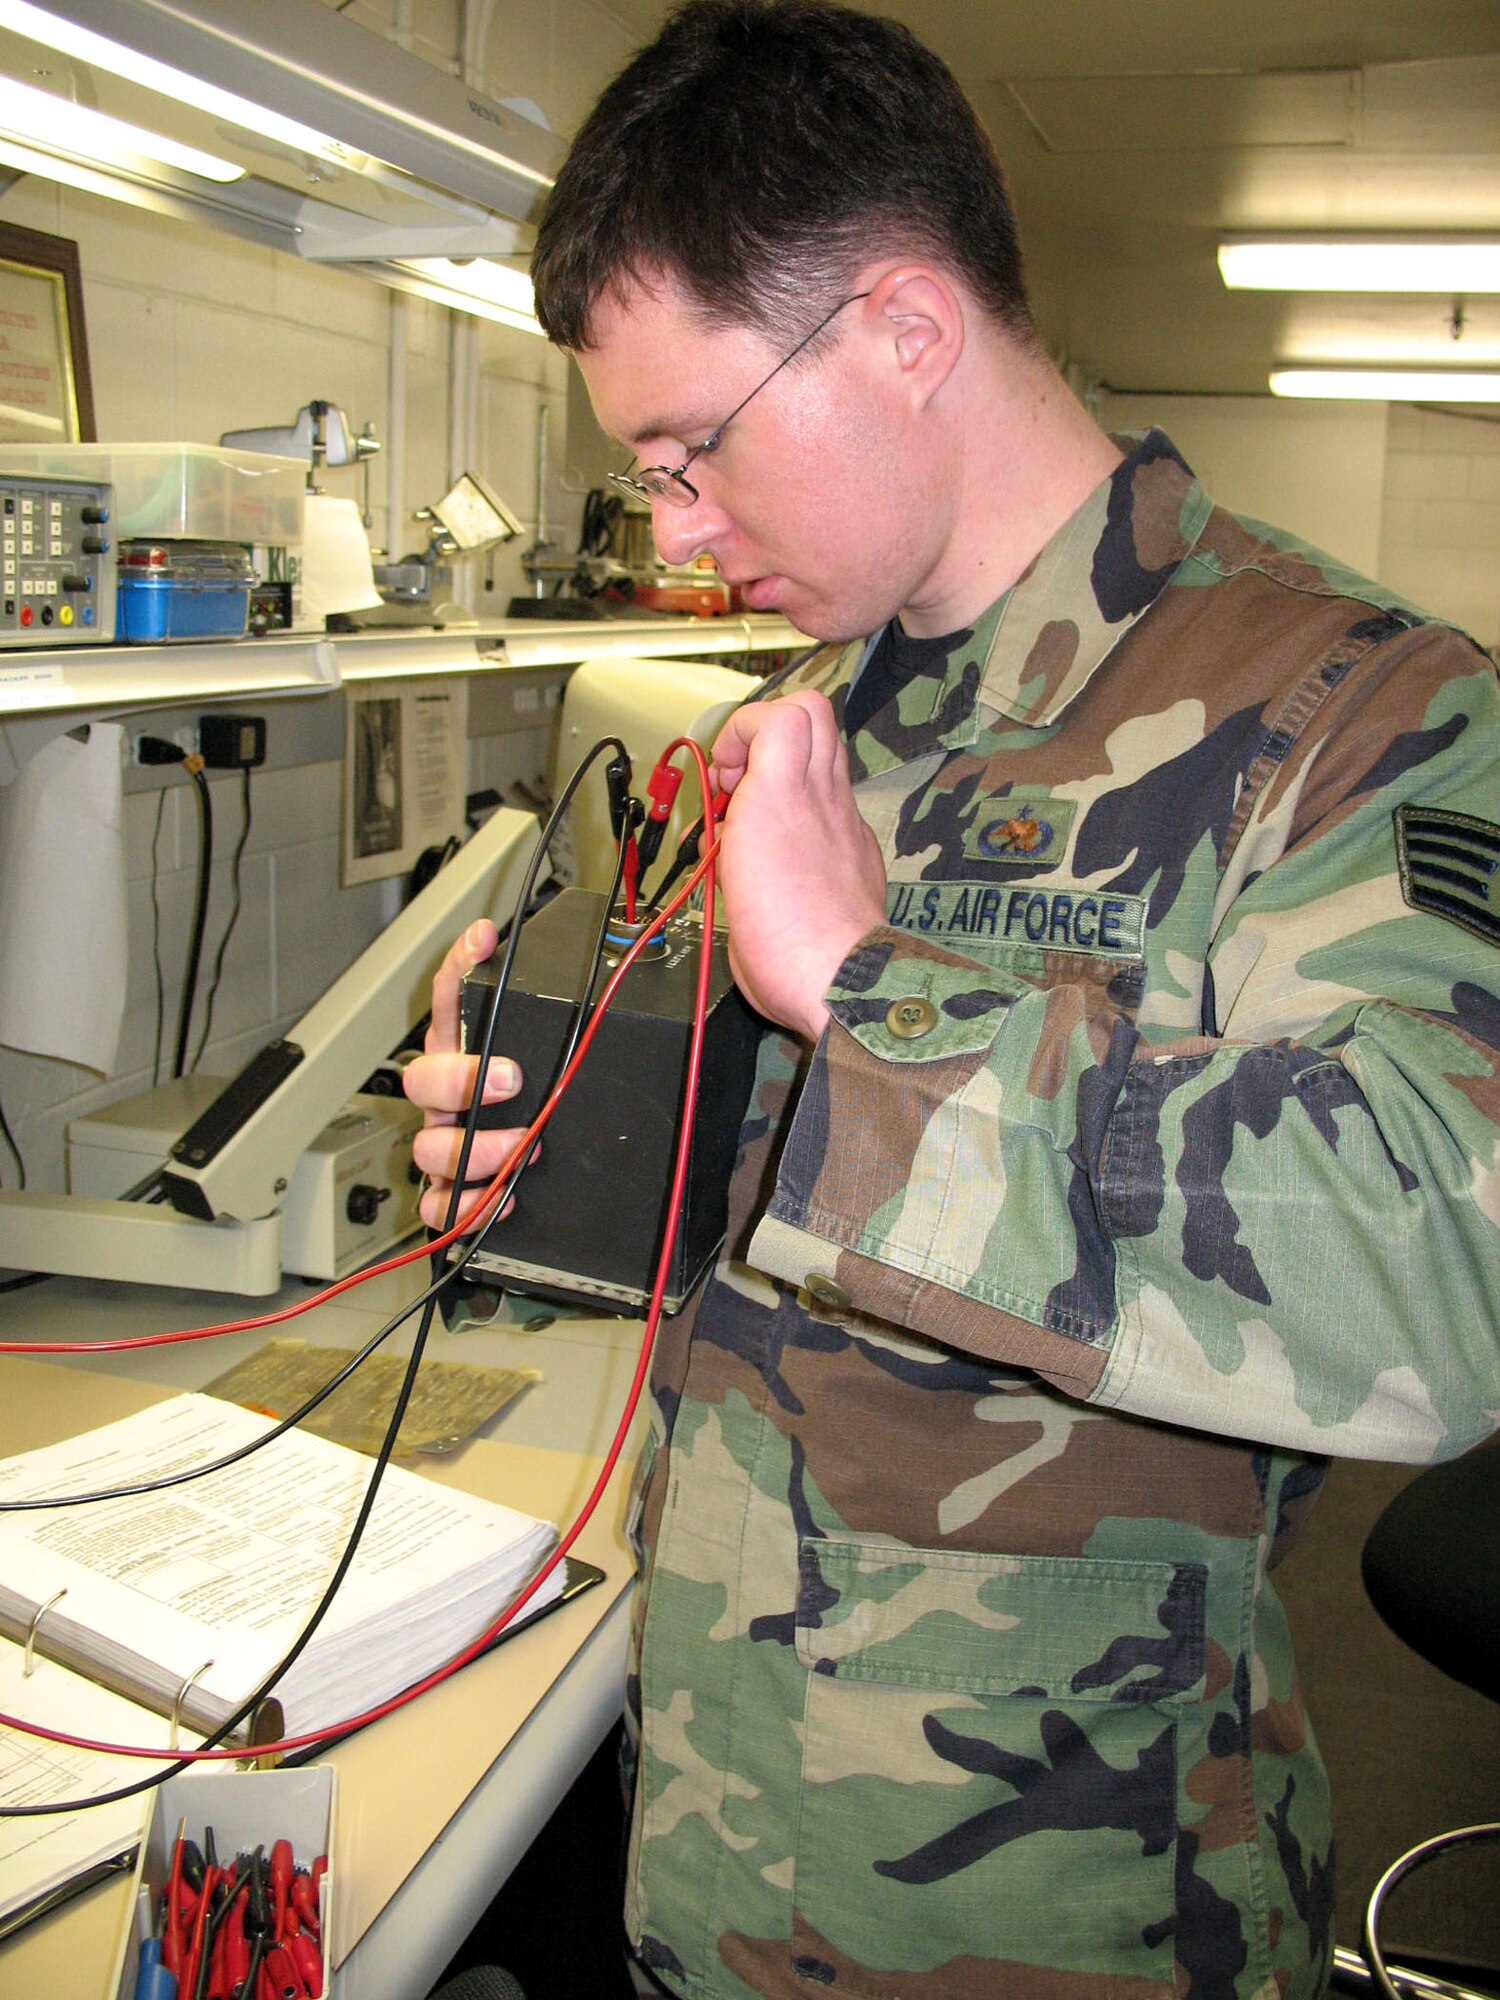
(438, 1802)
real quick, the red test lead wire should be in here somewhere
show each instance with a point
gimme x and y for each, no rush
(421, 1254)
(703, 873)
(662, 788)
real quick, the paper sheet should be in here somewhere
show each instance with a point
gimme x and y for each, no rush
(225, 1569)
(37, 1854)
(63, 952)
(405, 773)
(337, 573)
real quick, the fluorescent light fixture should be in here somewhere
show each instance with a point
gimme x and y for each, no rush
(55, 31)
(42, 119)
(1391, 385)
(477, 285)
(1370, 264)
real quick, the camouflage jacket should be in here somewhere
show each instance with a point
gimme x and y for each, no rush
(1169, 1091)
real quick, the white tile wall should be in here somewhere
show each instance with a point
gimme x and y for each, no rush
(191, 334)
(1440, 531)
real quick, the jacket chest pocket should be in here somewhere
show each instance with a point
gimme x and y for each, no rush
(990, 1768)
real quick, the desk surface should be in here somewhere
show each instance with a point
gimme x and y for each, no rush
(438, 1802)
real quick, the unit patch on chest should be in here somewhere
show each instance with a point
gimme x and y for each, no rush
(1032, 831)
(1056, 918)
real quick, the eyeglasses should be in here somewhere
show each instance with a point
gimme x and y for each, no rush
(658, 482)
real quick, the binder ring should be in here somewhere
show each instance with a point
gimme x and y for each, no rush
(27, 1661)
(179, 1698)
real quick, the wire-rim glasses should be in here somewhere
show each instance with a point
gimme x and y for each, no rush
(660, 482)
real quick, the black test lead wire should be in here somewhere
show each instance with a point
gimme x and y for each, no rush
(486, 1638)
(231, 920)
(512, 1174)
(216, 1738)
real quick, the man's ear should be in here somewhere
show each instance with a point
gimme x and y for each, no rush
(924, 319)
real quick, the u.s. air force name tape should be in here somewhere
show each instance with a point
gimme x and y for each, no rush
(1052, 919)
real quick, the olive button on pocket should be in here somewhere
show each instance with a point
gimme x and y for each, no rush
(911, 1018)
(826, 1298)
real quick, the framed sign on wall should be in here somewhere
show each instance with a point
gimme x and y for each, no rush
(46, 395)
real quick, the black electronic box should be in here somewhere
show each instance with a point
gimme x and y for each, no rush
(590, 1209)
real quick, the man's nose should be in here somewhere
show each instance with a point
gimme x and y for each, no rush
(681, 533)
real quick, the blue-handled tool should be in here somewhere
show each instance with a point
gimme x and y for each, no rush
(152, 1979)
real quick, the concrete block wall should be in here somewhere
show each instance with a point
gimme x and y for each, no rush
(1408, 495)
(297, 928)
(1440, 524)
(192, 333)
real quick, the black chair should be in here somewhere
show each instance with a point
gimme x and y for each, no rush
(1431, 1569)
(479, 1982)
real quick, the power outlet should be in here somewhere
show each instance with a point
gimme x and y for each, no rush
(185, 738)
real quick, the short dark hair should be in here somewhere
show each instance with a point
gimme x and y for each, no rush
(760, 152)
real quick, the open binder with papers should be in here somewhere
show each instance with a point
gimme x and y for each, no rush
(181, 1602)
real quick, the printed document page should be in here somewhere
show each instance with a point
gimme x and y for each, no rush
(39, 1854)
(214, 1579)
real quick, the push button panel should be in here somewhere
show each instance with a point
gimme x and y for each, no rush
(58, 565)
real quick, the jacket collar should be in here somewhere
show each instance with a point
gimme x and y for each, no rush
(1034, 650)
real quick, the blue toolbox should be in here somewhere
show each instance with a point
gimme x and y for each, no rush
(183, 590)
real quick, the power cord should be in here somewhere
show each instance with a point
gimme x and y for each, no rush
(15, 1151)
(161, 993)
(160, 750)
(234, 913)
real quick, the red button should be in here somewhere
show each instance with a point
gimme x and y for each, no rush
(26, 614)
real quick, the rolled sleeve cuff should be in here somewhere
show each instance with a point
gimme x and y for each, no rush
(932, 1169)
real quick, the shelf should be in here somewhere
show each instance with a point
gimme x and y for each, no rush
(544, 642)
(42, 691)
(106, 679)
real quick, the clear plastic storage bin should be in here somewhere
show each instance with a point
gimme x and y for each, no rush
(194, 492)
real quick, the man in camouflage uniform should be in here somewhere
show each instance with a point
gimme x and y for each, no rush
(1128, 906)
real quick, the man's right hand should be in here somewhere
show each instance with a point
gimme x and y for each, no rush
(441, 1081)
(801, 872)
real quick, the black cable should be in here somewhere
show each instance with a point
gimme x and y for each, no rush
(9, 1138)
(513, 1172)
(200, 919)
(161, 995)
(403, 1397)
(601, 517)
(502, 980)
(234, 914)
(23, 1279)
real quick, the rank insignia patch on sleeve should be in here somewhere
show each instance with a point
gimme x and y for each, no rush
(1450, 865)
